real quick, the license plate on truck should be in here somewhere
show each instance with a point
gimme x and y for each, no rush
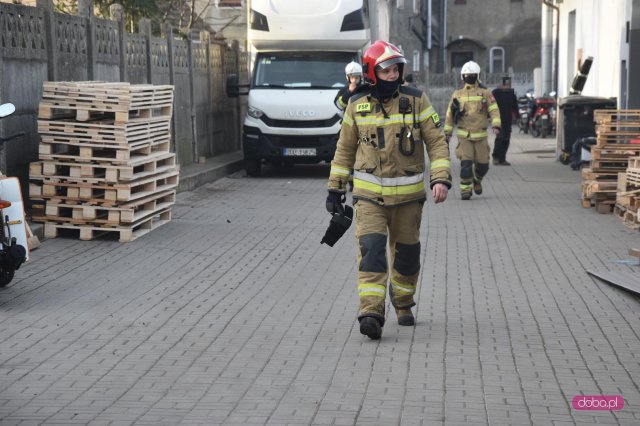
(299, 152)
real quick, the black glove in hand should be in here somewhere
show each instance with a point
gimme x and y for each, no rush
(335, 201)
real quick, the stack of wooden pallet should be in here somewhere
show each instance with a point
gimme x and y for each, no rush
(105, 162)
(627, 205)
(618, 138)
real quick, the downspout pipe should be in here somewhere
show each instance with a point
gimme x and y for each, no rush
(556, 48)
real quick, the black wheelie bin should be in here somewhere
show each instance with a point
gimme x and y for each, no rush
(575, 120)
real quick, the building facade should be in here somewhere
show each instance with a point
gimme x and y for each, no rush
(227, 18)
(497, 34)
(607, 31)
(500, 35)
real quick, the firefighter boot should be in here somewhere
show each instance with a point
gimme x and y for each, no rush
(405, 317)
(369, 326)
(477, 186)
(466, 195)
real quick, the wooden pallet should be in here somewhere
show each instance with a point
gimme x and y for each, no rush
(114, 154)
(618, 211)
(124, 233)
(630, 128)
(608, 165)
(618, 140)
(633, 176)
(608, 154)
(603, 116)
(119, 117)
(589, 174)
(59, 211)
(105, 131)
(140, 167)
(631, 220)
(105, 96)
(103, 193)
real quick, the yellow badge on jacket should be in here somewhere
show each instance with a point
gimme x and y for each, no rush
(364, 107)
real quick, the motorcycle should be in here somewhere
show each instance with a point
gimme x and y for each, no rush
(14, 247)
(542, 123)
(523, 114)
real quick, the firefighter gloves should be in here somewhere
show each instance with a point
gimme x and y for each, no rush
(334, 202)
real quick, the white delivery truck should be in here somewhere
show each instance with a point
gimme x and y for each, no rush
(298, 51)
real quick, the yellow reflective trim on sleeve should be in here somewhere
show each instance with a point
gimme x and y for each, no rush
(372, 290)
(337, 170)
(426, 114)
(364, 107)
(448, 127)
(347, 120)
(403, 289)
(493, 107)
(496, 122)
(440, 164)
(341, 103)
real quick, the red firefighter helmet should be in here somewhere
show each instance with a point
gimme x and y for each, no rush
(381, 54)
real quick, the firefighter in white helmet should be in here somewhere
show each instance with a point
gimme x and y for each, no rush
(353, 73)
(469, 110)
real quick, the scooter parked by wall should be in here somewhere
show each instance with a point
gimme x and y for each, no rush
(14, 247)
(523, 114)
(542, 122)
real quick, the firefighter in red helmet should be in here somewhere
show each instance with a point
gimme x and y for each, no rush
(383, 138)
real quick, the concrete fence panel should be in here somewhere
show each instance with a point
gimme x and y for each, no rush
(38, 44)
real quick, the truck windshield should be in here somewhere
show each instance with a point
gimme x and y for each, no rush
(304, 70)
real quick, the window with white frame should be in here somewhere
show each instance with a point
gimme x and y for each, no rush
(400, 4)
(496, 59)
(416, 6)
(416, 61)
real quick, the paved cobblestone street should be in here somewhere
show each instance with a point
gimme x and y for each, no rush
(234, 313)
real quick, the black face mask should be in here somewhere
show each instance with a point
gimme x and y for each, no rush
(386, 89)
(470, 78)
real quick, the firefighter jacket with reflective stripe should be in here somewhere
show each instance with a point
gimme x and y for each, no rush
(477, 105)
(386, 151)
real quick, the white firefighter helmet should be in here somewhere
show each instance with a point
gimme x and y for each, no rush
(353, 68)
(470, 68)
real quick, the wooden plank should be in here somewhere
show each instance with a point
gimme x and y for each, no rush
(107, 154)
(627, 280)
(103, 193)
(105, 131)
(59, 211)
(615, 115)
(98, 173)
(125, 233)
(635, 252)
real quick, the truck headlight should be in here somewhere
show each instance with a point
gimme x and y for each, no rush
(255, 112)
